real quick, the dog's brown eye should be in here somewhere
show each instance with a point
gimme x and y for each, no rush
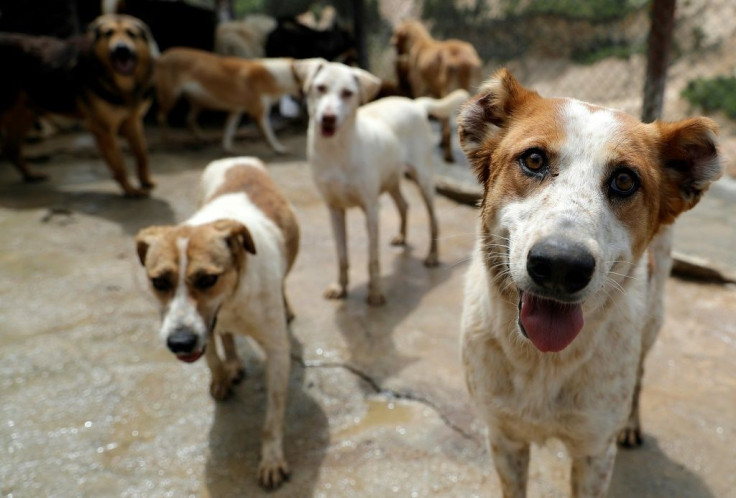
(206, 281)
(130, 33)
(533, 161)
(162, 284)
(623, 182)
(346, 94)
(321, 88)
(108, 33)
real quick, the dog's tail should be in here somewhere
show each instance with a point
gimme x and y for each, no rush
(445, 107)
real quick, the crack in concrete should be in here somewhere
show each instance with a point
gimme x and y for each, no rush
(376, 387)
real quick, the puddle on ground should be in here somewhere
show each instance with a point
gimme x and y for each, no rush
(381, 413)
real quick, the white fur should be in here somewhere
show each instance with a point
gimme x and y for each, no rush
(371, 148)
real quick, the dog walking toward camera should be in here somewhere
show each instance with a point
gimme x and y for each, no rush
(222, 272)
(564, 295)
(103, 78)
(356, 152)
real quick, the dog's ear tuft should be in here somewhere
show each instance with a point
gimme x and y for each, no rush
(306, 69)
(368, 84)
(148, 36)
(236, 235)
(487, 113)
(690, 163)
(144, 239)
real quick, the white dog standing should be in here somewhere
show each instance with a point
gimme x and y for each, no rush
(222, 272)
(358, 152)
(564, 294)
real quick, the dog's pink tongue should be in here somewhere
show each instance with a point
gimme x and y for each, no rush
(551, 326)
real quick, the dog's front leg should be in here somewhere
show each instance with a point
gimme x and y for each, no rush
(221, 382)
(109, 146)
(591, 475)
(375, 295)
(133, 131)
(273, 469)
(339, 290)
(511, 459)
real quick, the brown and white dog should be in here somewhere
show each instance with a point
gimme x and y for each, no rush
(104, 78)
(231, 84)
(564, 293)
(435, 67)
(222, 272)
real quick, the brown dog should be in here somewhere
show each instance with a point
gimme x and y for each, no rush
(435, 67)
(103, 78)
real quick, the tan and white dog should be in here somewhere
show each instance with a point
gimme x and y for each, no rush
(564, 293)
(358, 152)
(230, 84)
(222, 272)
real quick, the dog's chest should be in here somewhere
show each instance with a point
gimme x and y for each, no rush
(338, 186)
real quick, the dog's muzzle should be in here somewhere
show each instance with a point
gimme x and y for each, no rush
(328, 125)
(184, 343)
(123, 59)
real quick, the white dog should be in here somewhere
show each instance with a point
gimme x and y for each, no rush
(356, 153)
(564, 293)
(222, 272)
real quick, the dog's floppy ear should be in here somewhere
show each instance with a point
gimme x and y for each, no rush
(306, 69)
(236, 235)
(144, 239)
(486, 114)
(146, 34)
(368, 84)
(690, 163)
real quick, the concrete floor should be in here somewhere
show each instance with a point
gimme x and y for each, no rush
(94, 405)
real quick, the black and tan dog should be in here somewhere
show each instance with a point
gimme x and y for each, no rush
(103, 77)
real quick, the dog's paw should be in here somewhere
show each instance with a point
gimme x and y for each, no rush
(273, 474)
(148, 184)
(630, 437)
(432, 261)
(220, 389)
(235, 372)
(135, 193)
(336, 291)
(398, 240)
(33, 177)
(376, 299)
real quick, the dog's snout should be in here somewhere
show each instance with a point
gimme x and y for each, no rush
(560, 265)
(329, 119)
(181, 340)
(121, 50)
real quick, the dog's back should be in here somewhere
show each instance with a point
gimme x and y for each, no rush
(222, 184)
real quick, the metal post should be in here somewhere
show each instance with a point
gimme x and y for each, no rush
(359, 32)
(660, 43)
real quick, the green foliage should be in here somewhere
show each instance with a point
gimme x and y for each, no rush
(604, 49)
(717, 94)
(590, 10)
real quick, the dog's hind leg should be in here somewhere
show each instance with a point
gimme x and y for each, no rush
(16, 124)
(591, 474)
(192, 116)
(228, 134)
(511, 460)
(264, 124)
(339, 290)
(401, 206)
(426, 188)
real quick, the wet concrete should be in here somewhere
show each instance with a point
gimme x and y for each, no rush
(94, 405)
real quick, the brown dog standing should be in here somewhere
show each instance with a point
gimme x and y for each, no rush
(434, 67)
(103, 78)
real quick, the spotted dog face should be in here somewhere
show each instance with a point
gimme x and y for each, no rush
(192, 270)
(573, 194)
(124, 45)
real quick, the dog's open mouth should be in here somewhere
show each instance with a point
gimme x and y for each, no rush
(328, 129)
(123, 61)
(190, 357)
(550, 325)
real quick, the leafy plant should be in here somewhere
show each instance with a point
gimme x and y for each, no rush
(716, 94)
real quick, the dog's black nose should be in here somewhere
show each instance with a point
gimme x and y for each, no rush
(560, 265)
(182, 340)
(122, 51)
